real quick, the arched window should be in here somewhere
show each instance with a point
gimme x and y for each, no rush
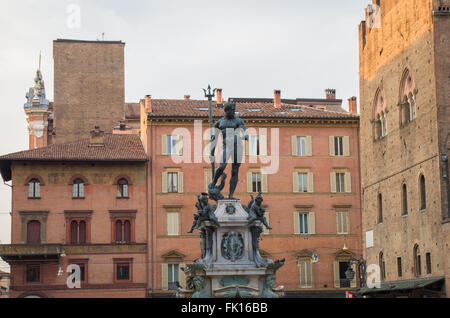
(118, 231)
(407, 98)
(382, 266)
(78, 232)
(417, 261)
(380, 208)
(78, 189)
(380, 115)
(34, 232)
(423, 193)
(127, 231)
(404, 200)
(122, 188)
(34, 189)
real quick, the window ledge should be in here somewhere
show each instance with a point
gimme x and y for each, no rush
(122, 198)
(80, 198)
(34, 198)
(404, 216)
(423, 210)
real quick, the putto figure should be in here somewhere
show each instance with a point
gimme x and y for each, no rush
(256, 211)
(230, 127)
(205, 212)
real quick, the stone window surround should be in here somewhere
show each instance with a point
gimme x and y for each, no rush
(40, 216)
(123, 215)
(130, 262)
(78, 216)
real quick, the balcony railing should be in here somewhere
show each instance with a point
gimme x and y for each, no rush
(17, 252)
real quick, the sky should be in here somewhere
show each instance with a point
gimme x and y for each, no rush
(177, 47)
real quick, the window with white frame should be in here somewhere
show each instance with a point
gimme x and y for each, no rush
(256, 182)
(340, 182)
(302, 182)
(172, 182)
(78, 189)
(255, 146)
(338, 146)
(34, 189)
(304, 223)
(172, 144)
(342, 222)
(301, 146)
(172, 276)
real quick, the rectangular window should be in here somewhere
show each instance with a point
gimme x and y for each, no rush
(33, 273)
(172, 145)
(302, 182)
(172, 276)
(342, 222)
(428, 260)
(82, 272)
(304, 225)
(123, 271)
(256, 182)
(301, 146)
(305, 274)
(340, 182)
(338, 146)
(399, 267)
(255, 147)
(173, 228)
(172, 182)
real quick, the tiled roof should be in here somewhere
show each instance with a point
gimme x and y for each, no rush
(132, 111)
(198, 109)
(116, 148)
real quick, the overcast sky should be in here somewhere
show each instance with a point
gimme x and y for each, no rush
(177, 47)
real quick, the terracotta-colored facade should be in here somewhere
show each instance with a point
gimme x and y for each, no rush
(316, 221)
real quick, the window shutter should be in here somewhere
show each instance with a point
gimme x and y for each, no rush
(345, 223)
(333, 182)
(172, 224)
(37, 188)
(75, 190)
(125, 190)
(266, 231)
(337, 280)
(74, 232)
(164, 144)
(164, 277)
(208, 179)
(249, 182)
(247, 146)
(353, 282)
(296, 223)
(30, 189)
(312, 222)
(82, 232)
(81, 190)
(348, 182)
(182, 276)
(164, 183)
(295, 188)
(263, 145)
(179, 145)
(310, 182)
(332, 150)
(264, 184)
(33, 232)
(294, 146)
(180, 182)
(309, 146)
(303, 274)
(346, 146)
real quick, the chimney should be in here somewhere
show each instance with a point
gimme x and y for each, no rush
(97, 138)
(219, 96)
(277, 98)
(353, 105)
(187, 97)
(330, 93)
(148, 103)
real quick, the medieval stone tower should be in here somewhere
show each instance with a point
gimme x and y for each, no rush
(89, 87)
(405, 115)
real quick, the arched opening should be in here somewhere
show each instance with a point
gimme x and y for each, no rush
(119, 231)
(382, 265)
(404, 200)
(380, 208)
(417, 261)
(78, 189)
(407, 98)
(423, 193)
(34, 188)
(122, 188)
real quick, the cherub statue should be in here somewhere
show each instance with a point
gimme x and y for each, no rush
(256, 211)
(205, 212)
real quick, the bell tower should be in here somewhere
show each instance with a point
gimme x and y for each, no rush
(37, 111)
